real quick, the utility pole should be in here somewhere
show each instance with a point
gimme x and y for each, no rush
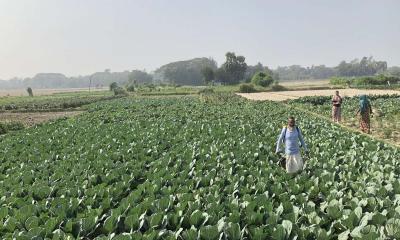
(90, 81)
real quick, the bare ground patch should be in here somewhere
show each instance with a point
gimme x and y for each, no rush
(32, 118)
(287, 95)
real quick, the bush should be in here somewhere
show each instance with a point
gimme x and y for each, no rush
(247, 88)
(206, 91)
(130, 88)
(3, 128)
(113, 86)
(369, 80)
(277, 88)
(10, 126)
(262, 79)
(340, 81)
(119, 91)
(381, 80)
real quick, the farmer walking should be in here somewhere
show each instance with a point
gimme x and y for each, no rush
(365, 110)
(336, 110)
(290, 136)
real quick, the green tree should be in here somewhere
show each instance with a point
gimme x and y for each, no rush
(221, 75)
(251, 70)
(113, 86)
(187, 72)
(139, 77)
(262, 79)
(364, 67)
(394, 71)
(235, 67)
(208, 74)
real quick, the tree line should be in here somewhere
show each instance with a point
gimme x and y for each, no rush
(203, 71)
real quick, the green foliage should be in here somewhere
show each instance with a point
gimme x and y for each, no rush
(233, 70)
(355, 68)
(277, 88)
(206, 91)
(222, 76)
(113, 86)
(297, 72)
(50, 103)
(30, 91)
(262, 79)
(130, 88)
(247, 88)
(6, 127)
(137, 77)
(178, 168)
(364, 67)
(184, 72)
(208, 75)
(385, 108)
(342, 81)
(3, 128)
(120, 91)
(252, 70)
(382, 80)
(393, 71)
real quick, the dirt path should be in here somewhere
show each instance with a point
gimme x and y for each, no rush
(33, 118)
(287, 95)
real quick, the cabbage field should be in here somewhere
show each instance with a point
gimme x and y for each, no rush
(385, 122)
(182, 168)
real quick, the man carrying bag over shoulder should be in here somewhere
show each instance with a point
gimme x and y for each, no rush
(290, 136)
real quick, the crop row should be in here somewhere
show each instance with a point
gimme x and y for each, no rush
(178, 168)
(50, 104)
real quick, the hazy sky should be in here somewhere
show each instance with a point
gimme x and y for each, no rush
(83, 36)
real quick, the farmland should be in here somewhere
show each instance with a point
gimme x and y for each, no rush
(183, 168)
(53, 102)
(46, 92)
(290, 95)
(384, 123)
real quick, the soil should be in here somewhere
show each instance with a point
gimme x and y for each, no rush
(32, 118)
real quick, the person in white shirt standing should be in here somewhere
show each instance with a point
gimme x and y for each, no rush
(290, 136)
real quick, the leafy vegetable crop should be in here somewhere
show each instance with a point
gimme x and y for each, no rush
(49, 103)
(386, 108)
(178, 168)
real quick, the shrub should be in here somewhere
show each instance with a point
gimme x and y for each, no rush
(262, 79)
(113, 86)
(340, 81)
(119, 91)
(130, 88)
(206, 91)
(3, 129)
(277, 87)
(247, 88)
